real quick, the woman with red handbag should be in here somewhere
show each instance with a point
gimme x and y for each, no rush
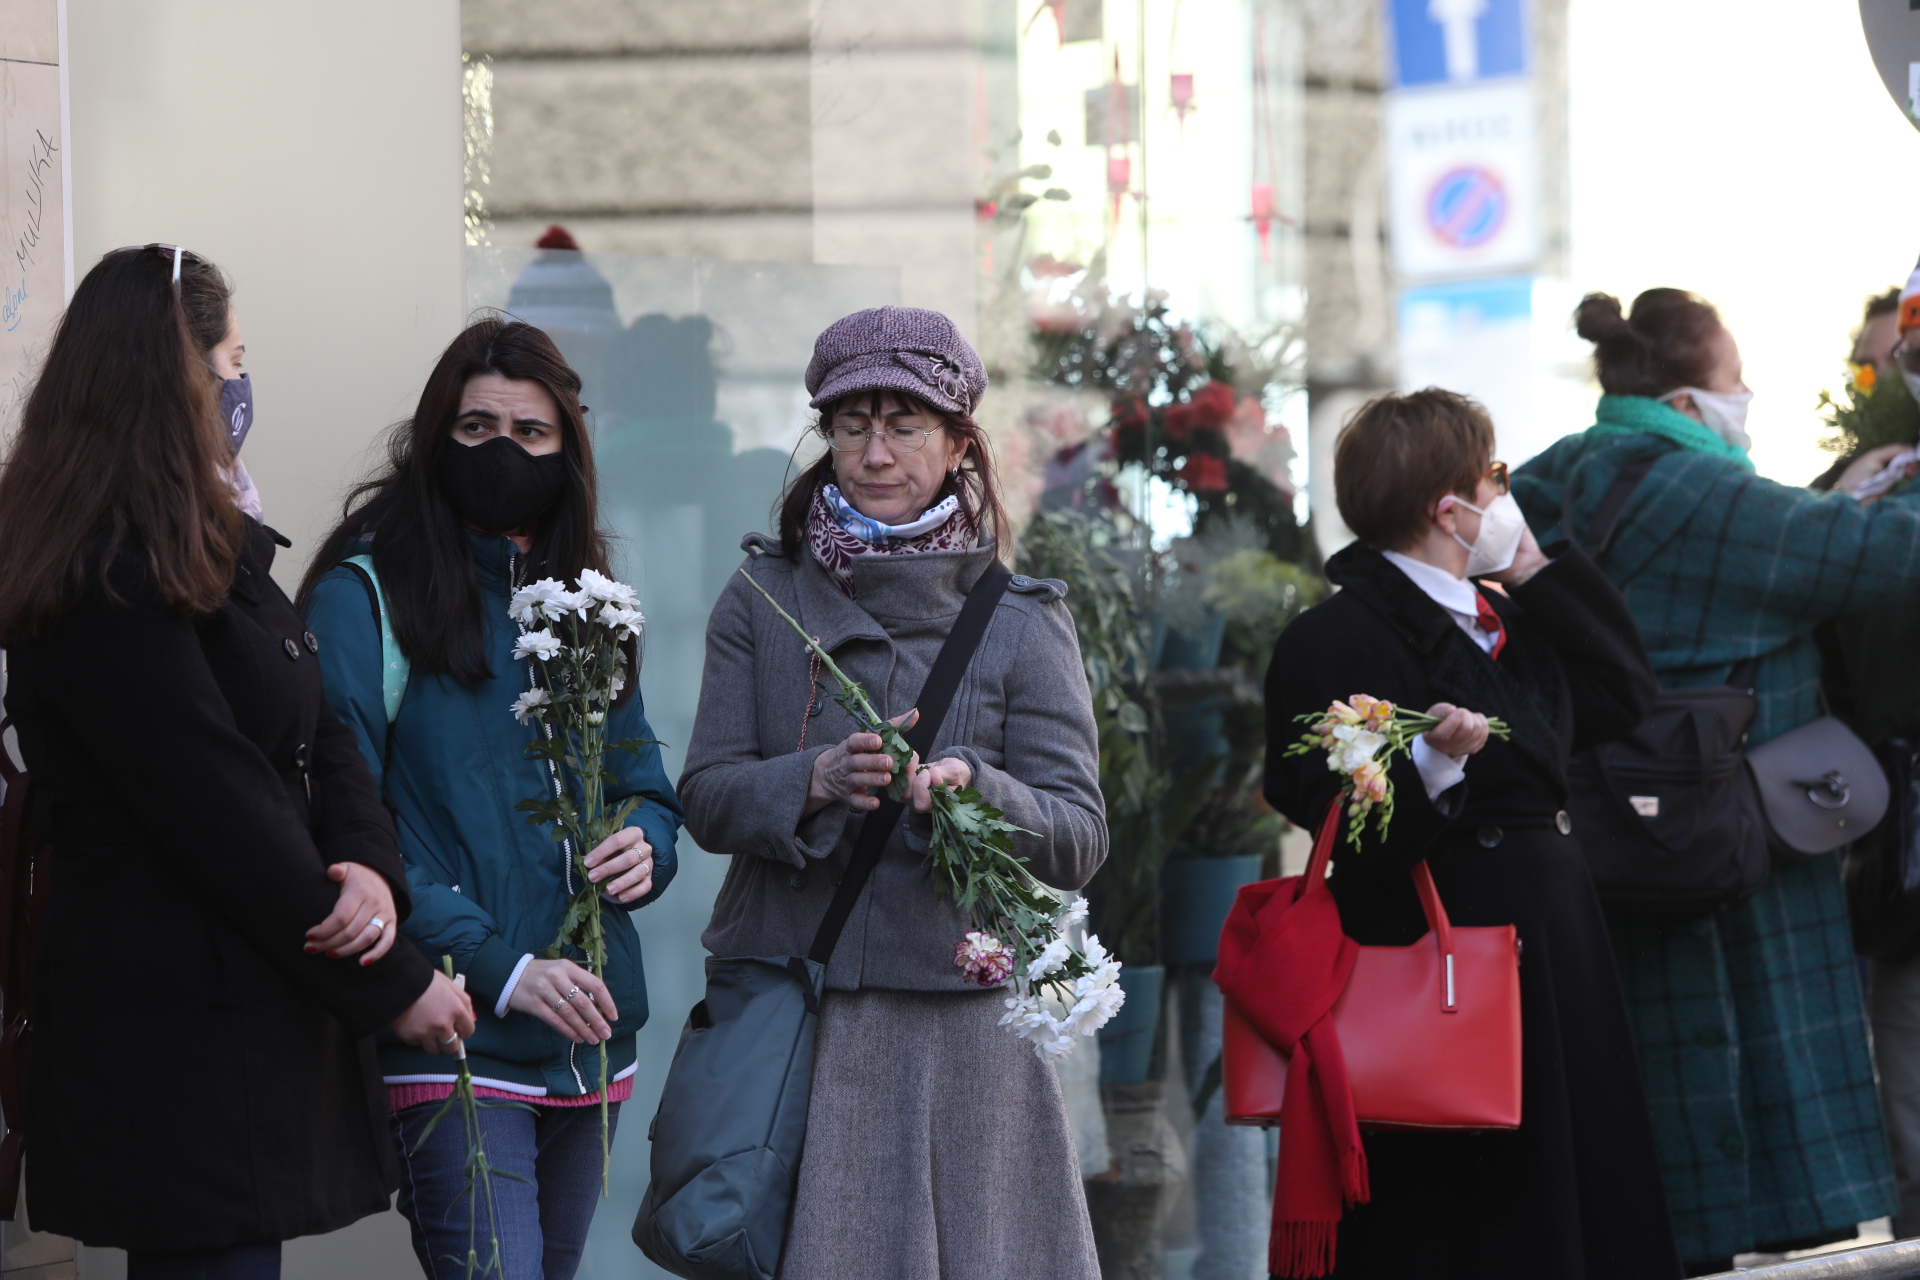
(1574, 1192)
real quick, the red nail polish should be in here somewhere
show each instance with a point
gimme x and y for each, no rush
(333, 955)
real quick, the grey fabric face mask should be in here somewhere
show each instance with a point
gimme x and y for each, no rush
(236, 409)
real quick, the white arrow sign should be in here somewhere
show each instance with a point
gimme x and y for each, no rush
(1457, 19)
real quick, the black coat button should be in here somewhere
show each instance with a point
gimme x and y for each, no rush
(293, 650)
(798, 881)
(313, 642)
(1490, 836)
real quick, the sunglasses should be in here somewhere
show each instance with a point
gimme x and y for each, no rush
(1498, 474)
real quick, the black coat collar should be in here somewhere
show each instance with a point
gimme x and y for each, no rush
(1525, 687)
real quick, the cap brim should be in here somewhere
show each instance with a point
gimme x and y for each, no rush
(882, 378)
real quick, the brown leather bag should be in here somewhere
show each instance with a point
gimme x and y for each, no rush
(1430, 1032)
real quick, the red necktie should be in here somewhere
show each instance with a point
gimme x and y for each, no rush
(1490, 623)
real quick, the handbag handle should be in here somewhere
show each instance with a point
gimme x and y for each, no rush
(1438, 925)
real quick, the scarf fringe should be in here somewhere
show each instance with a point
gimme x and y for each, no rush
(1301, 1250)
(1353, 1174)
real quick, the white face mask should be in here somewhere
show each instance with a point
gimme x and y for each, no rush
(1501, 525)
(1724, 414)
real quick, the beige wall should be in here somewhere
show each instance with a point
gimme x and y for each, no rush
(311, 148)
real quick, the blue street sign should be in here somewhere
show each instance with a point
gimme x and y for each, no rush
(1457, 41)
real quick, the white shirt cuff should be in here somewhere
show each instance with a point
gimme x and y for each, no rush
(1439, 772)
(506, 994)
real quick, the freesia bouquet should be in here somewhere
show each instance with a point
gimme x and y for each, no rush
(1361, 736)
(575, 645)
(1022, 934)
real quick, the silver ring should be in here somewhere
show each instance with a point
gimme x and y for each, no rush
(559, 1006)
(572, 992)
(449, 1039)
(378, 923)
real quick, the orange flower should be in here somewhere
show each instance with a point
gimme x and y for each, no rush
(1864, 379)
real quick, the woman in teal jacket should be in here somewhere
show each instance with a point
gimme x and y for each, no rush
(1751, 1032)
(490, 487)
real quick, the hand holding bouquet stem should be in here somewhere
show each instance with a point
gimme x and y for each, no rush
(1362, 735)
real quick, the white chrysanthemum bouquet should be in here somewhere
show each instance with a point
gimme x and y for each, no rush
(1022, 933)
(575, 644)
(1361, 736)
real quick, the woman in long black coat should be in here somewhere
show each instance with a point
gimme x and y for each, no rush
(218, 939)
(1574, 1193)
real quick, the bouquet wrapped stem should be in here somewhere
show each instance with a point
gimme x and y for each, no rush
(1361, 736)
(1021, 933)
(579, 663)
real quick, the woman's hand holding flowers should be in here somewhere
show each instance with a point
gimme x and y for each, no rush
(1460, 732)
(622, 865)
(442, 1014)
(947, 775)
(845, 771)
(567, 998)
(363, 919)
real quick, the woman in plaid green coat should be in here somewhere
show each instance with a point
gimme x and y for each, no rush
(1752, 1035)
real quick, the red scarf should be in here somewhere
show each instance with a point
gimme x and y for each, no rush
(835, 548)
(1284, 960)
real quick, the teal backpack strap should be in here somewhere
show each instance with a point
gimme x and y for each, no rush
(394, 667)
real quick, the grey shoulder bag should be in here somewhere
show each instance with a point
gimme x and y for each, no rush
(733, 1114)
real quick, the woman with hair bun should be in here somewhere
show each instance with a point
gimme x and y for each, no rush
(1752, 1036)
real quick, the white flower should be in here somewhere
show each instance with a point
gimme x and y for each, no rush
(535, 601)
(1051, 960)
(1354, 747)
(1094, 1006)
(622, 622)
(604, 589)
(1076, 912)
(543, 645)
(619, 683)
(576, 602)
(596, 717)
(1106, 970)
(1034, 1024)
(526, 707)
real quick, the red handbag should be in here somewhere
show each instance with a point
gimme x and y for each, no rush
(1430, 1032)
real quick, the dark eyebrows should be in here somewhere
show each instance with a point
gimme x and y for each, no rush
(489, 415)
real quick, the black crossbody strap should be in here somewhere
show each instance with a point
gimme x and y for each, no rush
(942, 682)
(1613, 505)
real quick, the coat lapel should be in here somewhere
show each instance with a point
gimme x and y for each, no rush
(1460, 672)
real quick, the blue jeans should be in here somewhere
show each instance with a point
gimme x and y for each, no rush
(543, 1210)
(241, 1262)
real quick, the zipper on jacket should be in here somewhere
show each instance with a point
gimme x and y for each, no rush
(578, 1082)
(546, 731)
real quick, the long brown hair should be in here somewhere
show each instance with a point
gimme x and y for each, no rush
(973, 480)
(121, 440)
(419, 543)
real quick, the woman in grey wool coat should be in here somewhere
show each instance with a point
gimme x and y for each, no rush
(937, 1144)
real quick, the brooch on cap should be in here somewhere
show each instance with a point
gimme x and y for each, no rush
(952, 381)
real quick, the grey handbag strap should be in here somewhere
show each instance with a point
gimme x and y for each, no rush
(942, 682)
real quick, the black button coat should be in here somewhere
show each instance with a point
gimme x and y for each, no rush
(1574, 1193)
(197, 1079)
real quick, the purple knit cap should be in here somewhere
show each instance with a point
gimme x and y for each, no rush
(906, 349)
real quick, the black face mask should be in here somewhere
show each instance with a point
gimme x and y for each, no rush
(498, 486)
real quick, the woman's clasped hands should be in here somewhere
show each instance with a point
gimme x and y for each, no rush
(849, 772)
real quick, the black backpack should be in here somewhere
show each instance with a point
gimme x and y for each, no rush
(1668, 816)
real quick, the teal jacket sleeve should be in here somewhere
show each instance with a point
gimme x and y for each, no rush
(641, 774)
(443, 922)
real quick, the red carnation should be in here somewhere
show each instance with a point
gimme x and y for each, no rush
(1203, 473)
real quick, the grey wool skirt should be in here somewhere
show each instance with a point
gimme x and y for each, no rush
(937, 1149)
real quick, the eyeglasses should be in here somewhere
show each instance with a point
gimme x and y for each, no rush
(1498, 474)
(898, 439)
(1906, 353)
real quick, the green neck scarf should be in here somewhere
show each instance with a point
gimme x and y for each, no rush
(1641, 415)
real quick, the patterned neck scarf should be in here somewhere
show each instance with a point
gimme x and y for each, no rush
(834, 541)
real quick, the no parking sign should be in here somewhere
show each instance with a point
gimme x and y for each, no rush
(1464, 196)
